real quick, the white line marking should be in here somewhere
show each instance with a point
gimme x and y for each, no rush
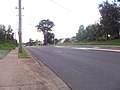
(94, 48)
(108, 50)
(59, 46)
(98, 49)
(57, 51)
(83, 48)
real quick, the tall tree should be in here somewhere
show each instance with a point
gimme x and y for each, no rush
(50, 38)
(90, 33)
(2, 33)
(9, 34)
(45, 26)
(110, 19)
(79, 35)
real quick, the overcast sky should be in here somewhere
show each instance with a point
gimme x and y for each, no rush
(67, 15)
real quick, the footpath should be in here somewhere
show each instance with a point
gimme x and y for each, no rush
(26, 74)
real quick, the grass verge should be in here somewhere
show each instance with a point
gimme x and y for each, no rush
(24, 54)
(6, 46)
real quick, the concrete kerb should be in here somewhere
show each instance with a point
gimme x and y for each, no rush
(34, 58)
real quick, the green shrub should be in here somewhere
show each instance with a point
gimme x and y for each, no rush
(100, 39)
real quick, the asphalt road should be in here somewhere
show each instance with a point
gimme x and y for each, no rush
(82, 69)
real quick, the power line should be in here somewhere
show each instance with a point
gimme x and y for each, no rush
(71, 11)
(60, 5)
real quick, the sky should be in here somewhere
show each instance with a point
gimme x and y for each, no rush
(67, 16)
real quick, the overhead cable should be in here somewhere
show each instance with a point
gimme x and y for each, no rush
(60, 5)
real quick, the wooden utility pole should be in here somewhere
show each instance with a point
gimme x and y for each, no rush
(20, 26)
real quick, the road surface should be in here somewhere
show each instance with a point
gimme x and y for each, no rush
(81, 69)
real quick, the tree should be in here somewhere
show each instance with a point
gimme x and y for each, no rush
(80, 33)
(110, 19)
(2, 33)
(31, 42)
(90, 33)
(7, 36)
(56, 41)
(50, 38)
(45, 26)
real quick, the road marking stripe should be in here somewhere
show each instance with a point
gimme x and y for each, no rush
(98, 49)
(57, 51)
(83, 48)
(94, 48)
(107, 50)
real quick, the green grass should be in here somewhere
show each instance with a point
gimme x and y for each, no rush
(3, 53)
(110, 42)
(24, 54)
(6, 46)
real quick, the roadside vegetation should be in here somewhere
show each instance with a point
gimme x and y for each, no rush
(7, 46)
(106, 30)
(7, 41)
(46, 26)
(5, 49)
(24, 54)
(3, 53)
